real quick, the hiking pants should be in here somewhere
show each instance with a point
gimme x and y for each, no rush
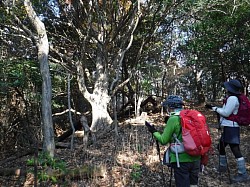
(187, 174)
(231, 137)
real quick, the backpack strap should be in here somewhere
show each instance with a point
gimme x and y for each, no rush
(238, 96)
(179, 134)
(177, 137)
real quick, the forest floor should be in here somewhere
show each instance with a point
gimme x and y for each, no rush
(130, 160)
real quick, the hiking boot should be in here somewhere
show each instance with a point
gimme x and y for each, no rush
(240, 178)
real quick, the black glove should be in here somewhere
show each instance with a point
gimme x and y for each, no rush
(166, 118)
(150, 127)
(209, 106)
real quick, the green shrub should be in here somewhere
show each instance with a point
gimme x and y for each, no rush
(136, 172)
(46, 163)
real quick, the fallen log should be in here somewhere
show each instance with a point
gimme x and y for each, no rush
(81, 124)
(13, 172)
(69, 132)
(19, 155)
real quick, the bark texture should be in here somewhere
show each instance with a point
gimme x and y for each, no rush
(43, 50)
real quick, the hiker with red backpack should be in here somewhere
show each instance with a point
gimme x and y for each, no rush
(186, 167)
(233, 114)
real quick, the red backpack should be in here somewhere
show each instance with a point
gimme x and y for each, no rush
(195, 133)
(243, 115)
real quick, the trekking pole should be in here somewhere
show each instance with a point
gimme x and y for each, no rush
(171, 174)
(158, 151)
(228, 170)
(219, 131)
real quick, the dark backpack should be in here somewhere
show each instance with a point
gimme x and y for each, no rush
(243, 115)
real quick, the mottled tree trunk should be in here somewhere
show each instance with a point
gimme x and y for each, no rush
(200, 91)
(105, 63)
(43, 50)
(100, 115)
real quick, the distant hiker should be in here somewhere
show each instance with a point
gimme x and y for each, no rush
(186, 175)
(231, 130)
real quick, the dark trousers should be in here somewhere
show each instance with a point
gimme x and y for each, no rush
(231, 137)
(187, 174)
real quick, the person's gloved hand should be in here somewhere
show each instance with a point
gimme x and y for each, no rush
(150, 127)
(214, 108)
(209, 106)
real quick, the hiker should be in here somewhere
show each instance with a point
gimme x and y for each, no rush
(230, 131)
(187, 174)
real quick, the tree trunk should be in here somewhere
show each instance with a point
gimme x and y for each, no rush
(200, 92)
(104, 62)
(99, 99)
(100, 115)
(138, 108)
(43, 50)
